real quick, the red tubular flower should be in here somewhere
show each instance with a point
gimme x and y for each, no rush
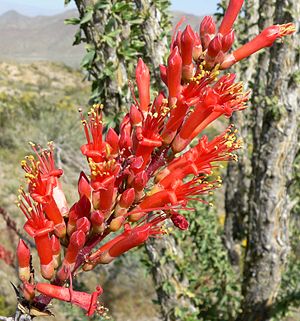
(200, 159)
(39, 228)
(129, 239)
(103, 183)
(177, 194)
(265, 39)
(147, 137)
(44, 186)
(125, 141)
(77, 242)
(95, 147)
(174, 72)
(24, 256)
(92, 259)
(225, 98)
(87, 302)
(230, 16)
(142, 76)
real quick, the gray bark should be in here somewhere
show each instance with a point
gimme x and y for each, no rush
(116, 95)
(114, 101)
(275, 143)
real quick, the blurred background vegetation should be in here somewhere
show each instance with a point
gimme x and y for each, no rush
(39, 102)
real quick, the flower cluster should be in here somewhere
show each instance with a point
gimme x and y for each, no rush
(144, 172)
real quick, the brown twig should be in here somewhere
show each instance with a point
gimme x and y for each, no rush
(12, 225)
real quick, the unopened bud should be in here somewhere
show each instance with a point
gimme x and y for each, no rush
(116, 223)
(23, 255)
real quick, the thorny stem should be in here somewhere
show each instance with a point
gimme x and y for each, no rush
(12, 225)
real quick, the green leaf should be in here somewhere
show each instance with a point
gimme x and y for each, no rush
(101, 5)
(72, 21)
(88, 59)
(77, 38)
(87, 17)
(67, 2)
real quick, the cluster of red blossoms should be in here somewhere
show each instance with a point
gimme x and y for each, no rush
(141, 174)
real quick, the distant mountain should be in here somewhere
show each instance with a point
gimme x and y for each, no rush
(28, 39)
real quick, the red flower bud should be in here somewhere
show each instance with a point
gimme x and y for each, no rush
(187, 45)
(97, 219)
(84, 187)
(23, 255)
(83, 224)
(136, 117)
(180, 221)
(142, 76)
(77, 242)
(140, 181)
(207, 31)
(215, 46)
(163, 73)
(228, 41)
(174, 71)
(127, 198)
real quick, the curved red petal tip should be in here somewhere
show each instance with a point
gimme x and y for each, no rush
(94, 301)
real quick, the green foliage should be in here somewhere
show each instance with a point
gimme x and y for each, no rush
(213, 287)
(123, 32)
(5, 309)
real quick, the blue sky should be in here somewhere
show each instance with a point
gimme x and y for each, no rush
(50, 7)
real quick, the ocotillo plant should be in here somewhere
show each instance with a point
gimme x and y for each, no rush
(142, 174)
